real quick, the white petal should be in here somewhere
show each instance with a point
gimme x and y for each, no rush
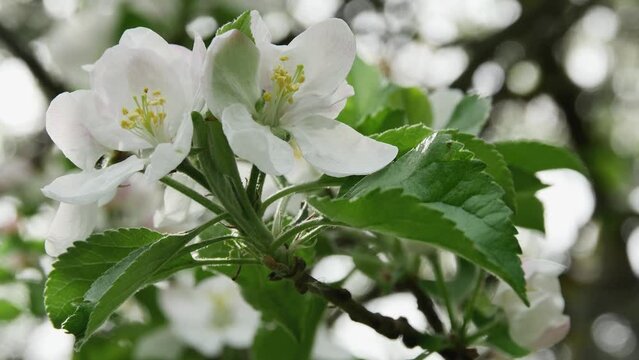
(255, 143)
(122, 73)
(71, 223)
(313, 104)
(166, 157)
(67, 126)
(337, 150)
(143, 38)
(178, 208)
(92, 185)
(198, 57)
(231, 72)
(327, 51)
(260, 31)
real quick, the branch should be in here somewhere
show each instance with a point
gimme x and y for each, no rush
(384, 325)
(424, 303)
(17, 46)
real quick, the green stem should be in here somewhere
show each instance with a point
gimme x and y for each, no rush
(296, 189)
(187, 168)
(194, 195)
(468, 312)
(439, 276)
(483, 331)
(292, 232)
(206, 262)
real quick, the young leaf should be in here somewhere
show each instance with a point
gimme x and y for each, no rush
(81, 265)
(532, 156)
(405, 137)
(470, 115)
(447, 180)
(95, 277)
(371, 91)
(524, 159)
(8, 311)
(242, 23)
(279, 301)
(415, 103)
(496, 165)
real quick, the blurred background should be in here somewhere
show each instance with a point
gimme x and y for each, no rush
(563, 72)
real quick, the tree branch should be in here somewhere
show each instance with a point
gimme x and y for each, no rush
(50, 86)
(424, 303)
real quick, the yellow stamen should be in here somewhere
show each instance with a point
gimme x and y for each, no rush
(283, 58)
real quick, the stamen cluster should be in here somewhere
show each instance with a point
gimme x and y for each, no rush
(147, 119)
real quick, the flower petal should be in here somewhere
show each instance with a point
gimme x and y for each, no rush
(90, 186)
(255, 143)
(231, 72)
(327, 51)
(312, 104)
(337, 150)
(123, 73)
(71, 223)
(67, 127)
(166, 157)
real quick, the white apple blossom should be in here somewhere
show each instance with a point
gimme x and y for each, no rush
(278, 103)
(543, 324)
(142, 93)
(210, 315)
(179, 212)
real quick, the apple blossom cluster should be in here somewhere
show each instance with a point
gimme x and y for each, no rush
(203, 121)
(277, 105)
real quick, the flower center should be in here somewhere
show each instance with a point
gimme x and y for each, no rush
(222, 313)
(285, 85)
(147, 119)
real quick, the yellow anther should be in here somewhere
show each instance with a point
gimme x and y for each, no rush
(267, 96)
(126, 124)
(157, 93)
(301, 78)
(283, 58)
(125, 111)
(146, 90)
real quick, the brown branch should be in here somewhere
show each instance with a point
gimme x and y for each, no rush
(387, 326)
(18, 47)
(424, 303)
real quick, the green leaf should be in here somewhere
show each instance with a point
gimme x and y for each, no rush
(242, 23)
(525, 158)
(531, 157)
(496, 165)
(279, 301)
(371, 91)
(445, 179)
(95, 277)
(415, 103)
(405, 138)
(217, 162)
(470, 115)
(382, 120)
(275, 342)
(393, 213)
(500, 338)
(8, 311)
(81, 265)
